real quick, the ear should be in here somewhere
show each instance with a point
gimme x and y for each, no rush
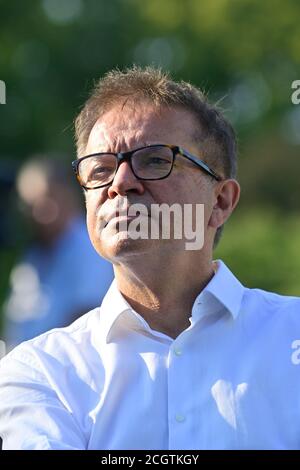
(227, 194)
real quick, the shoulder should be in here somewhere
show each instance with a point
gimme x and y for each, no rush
(271, 301)
(56, 348)
(275, 311)
(41, 380)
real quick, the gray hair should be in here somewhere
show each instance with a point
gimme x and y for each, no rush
(153, 85)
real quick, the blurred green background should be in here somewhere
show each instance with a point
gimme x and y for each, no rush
(244, 53)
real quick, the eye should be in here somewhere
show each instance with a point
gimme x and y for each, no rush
(154, 160)
(101, 171)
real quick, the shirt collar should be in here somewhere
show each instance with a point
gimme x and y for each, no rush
(112, 307)
(116, 311)
(223, 291)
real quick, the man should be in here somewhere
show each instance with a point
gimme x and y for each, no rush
(60, 276)
(180, 355)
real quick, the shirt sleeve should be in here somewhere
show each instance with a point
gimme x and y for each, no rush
(32, 417)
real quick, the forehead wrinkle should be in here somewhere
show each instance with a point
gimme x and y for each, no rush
(120, 142)
(122, 130)
(121, 134)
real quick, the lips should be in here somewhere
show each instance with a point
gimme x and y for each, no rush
(112, 216)
(120, 209)
(121, 218)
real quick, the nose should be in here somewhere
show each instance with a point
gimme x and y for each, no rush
(125, 181)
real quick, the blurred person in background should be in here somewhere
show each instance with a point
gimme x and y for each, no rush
(60, 275)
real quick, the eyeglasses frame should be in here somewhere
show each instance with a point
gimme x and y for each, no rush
(126, 157)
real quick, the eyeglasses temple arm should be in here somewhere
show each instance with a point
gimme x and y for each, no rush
(199, 162)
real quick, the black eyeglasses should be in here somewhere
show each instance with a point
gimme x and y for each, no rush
(154, 162)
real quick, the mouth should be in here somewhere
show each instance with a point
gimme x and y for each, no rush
(116, 219)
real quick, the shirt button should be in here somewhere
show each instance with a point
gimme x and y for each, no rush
(177, 351)
(180, 418)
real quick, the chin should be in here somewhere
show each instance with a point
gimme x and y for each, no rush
(115, 246)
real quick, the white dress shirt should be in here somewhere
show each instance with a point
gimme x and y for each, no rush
(229, 381)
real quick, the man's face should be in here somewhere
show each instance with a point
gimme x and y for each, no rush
(125, 128)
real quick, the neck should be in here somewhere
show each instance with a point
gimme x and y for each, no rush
(164, 297)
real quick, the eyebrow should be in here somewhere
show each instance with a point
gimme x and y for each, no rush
(140, 145)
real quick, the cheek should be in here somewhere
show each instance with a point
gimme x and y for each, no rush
(93, 202)
(191, 187)
(194, 189)
(91, 226)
